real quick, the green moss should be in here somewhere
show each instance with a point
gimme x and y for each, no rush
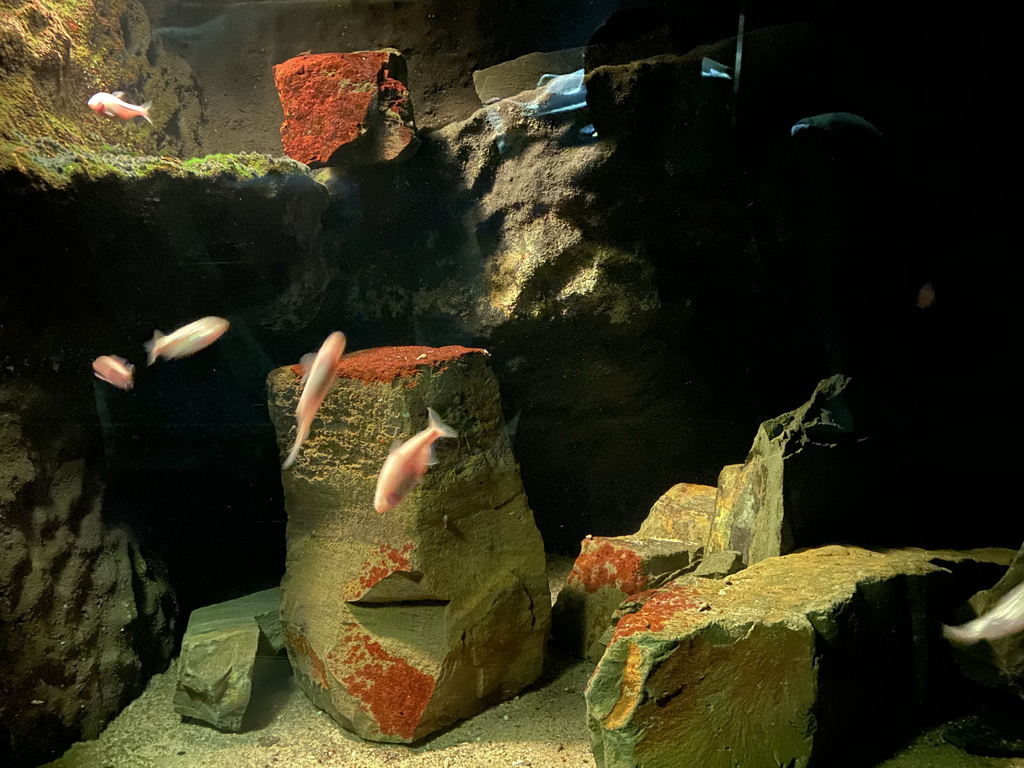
(44, 163)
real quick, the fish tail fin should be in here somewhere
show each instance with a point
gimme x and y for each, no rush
(145, 111)
(151, 347)
(300, 438)
(962, 635)
(440, 426)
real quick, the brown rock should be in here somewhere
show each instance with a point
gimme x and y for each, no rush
(398, 624)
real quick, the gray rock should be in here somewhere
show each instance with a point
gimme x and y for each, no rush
(218, 657)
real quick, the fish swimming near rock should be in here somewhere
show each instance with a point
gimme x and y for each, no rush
(114, 370)
(407, 463)
(187, 340)
(1004, 618)
(318, 377)
(113, 105)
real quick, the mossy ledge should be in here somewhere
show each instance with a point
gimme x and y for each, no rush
(26, 166)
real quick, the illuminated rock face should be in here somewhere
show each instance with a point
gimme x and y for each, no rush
(398, 624)
(789, 662)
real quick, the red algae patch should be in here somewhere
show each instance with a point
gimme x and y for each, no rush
(604, 563)
(660, 607)
(390, 363)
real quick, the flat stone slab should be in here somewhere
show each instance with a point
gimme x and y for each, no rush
(523, 73)
(218, 657)
(403, 622)
(794, 659)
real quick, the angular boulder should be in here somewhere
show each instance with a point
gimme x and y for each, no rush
(607, 571)
(777, 501)
(345, 107)
(792, 660)
(398, 624)
(683, 512)
(218, 657)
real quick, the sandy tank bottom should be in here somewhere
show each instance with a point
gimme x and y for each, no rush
(545, 727)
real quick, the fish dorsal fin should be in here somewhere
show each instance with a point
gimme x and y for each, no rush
(306, 363)
(118, 94)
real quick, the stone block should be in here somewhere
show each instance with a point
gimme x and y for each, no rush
(345, 107)
(400, 623)
(218, 657)
(792, 660)
(684, 512)
(607, 571)
(523, 73)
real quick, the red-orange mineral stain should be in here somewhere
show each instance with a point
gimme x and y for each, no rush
(660, 607)
(300, 646)
(605, 563)
(393, 691)
(390, 363)
(386, 561)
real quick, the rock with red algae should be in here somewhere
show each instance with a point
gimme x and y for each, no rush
(608, 571)
(791, 661)
(400, 624)
(345, 107)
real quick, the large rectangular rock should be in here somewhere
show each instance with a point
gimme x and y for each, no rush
(402, 622)
(794, 659)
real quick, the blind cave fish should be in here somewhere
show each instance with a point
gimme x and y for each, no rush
(407, 463)
(1004, 618)
(114, 370)
(187, 340)
(113, 105)
(318, 377)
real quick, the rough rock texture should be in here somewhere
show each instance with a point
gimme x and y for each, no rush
(345, 107)
(524, 72)
(401, 623)
(85, 619)
(718, 565)
(995, 663)
(791, 661)
(684, 512)
(218, 657)
(776, 501)
(607, 571)
(54, 56)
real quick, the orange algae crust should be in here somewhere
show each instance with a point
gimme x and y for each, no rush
(604, 563)
(386, 560)
(393, 691)
(382, 364)
(659, 607)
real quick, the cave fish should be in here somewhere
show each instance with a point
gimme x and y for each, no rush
(114, 370)
(1004, 618)
(405, 466)
(317, 379)
(187, 340)
(112, 105)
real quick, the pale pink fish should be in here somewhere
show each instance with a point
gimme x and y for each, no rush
(187, 340)
(318, 377)
(112, 105)
(114, 370)
(405, 466)
(1004, 618)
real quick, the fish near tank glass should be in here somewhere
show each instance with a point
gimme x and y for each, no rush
(592, 384)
